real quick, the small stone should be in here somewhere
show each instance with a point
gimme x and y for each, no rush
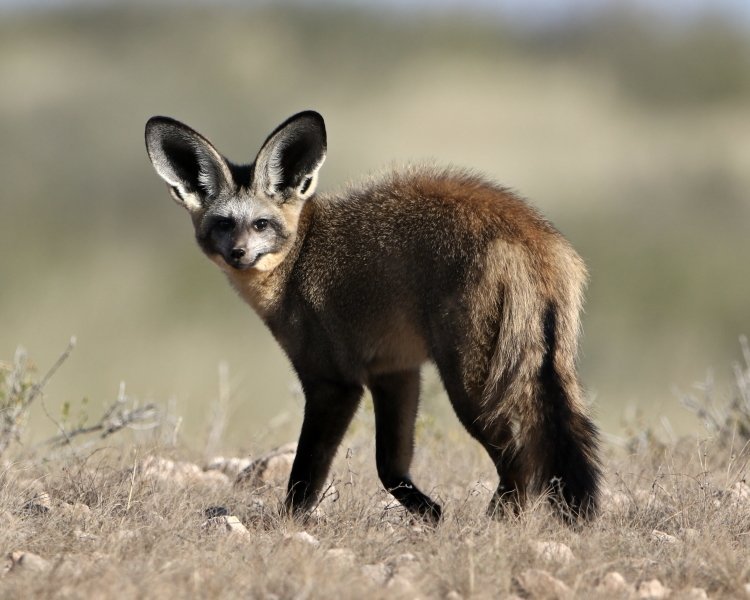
(553, 552)
(234, 525)
(740, 492)
(271, 469)
(540, 584)
(695, 593)
(406, 565)
(84, 536)
(691, 535)
(746, 587)
(181, 473)
(78, 511)
(614, 583)
(27, 561)
(155, 467)
(216, 478)
(229, 524)
(38, 504)
(453, 595)
(406, 557)
(663, 537)
(653, 590)
(378, 573)
(302, 537)
(124, 535)
(231, 467)
(343, 556)
(400, 586)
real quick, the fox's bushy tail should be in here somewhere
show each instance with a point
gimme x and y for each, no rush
(533, 385)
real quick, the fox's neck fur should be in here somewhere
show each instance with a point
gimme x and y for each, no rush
(263, 288)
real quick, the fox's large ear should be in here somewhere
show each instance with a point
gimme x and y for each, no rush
(288, 162)
(191, 166)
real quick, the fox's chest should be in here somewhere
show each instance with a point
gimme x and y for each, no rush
(394, 344)
(262, 291)
(328, 341)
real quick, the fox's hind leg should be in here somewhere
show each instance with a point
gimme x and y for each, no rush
(396, 398)
(496, 438)
(511, 488)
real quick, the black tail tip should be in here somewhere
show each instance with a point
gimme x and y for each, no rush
(576, 498)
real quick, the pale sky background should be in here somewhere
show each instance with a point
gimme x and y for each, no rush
(525, 11)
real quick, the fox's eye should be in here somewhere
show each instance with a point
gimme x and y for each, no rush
(260, 224)
(225, 224)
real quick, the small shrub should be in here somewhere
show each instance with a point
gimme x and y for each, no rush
(727, 419)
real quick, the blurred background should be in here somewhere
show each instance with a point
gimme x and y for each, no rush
(627, 123)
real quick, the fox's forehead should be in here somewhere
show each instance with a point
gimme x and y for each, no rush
(241, 205)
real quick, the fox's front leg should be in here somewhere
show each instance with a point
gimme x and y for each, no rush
(329, 408)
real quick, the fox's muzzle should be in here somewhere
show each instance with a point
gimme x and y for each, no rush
(241, 259)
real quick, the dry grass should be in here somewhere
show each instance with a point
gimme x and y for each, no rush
(114, 526)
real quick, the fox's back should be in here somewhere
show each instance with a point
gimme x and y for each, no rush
(417, 233)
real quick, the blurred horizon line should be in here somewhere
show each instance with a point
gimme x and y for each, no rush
(522, 13)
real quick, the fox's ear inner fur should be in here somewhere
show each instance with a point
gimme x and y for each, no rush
(289, 160)
(191, 166)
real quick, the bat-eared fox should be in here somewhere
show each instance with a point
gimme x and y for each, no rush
(362, 287)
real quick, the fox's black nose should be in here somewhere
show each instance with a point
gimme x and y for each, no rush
(237, 253)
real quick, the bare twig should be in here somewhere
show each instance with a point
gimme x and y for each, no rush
(220, 408)
(132, 479)
(112, 421)
(39, 387)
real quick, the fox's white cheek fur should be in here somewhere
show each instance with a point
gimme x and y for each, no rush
(268, 262)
